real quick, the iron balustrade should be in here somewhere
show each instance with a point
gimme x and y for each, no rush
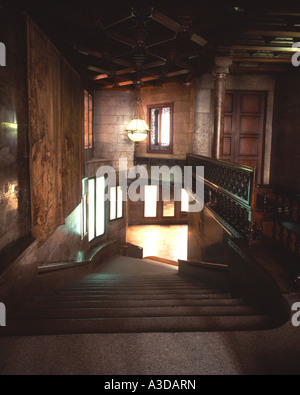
(228, 190)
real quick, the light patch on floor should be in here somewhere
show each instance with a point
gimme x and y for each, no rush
(164, 241)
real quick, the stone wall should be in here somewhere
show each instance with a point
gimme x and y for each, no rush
(203, 116)
(183, 117)
(112, 113)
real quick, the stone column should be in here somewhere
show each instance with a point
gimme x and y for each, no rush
(221, 70)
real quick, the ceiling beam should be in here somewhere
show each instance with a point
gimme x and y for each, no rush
(273, 33)
(283, 11)
(107, 74)
(258, 68)
(198, 40)
(147, 79)
(179, 72)
(97, 69)
(100, 77)
(156, 63)
(165, 20)
(98, 54)
(123, 62)
(88, 51)
(260, 59)
(176, 27)
(121, 38)
(263, 48)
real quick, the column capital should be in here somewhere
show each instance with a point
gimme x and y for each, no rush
(222, 64)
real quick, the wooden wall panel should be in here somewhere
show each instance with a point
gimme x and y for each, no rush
(71, 111)
(54, 134)
(250, 125)
(285, 156)
(44, 133)
(244, 129)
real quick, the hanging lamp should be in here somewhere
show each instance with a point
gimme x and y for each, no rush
(137, 129)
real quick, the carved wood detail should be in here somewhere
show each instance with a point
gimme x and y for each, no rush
(54, 134)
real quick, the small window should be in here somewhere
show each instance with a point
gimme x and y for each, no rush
(88, 120)
(96, 207)
(168, 208)
(150, 207)
(184, 201)
(84, 208)
(113, 203)
(119, 202)
(91, 206)
(116, 203)
(100, 206)
(161, 128)
(84, 215)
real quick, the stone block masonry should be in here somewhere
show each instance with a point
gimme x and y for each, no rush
(112, 112)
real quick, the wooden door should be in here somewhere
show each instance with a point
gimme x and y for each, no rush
(244, 125)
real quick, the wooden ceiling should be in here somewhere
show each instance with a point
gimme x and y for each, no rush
(115, 46)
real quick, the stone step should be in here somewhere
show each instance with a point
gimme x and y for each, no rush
(138, 284)
(136, 280)
(136, 325)
(133, 303)
(133, 291)
(134, 296)
(109, 312)
(132, 287)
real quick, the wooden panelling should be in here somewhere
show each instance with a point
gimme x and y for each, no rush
(249, 162)
(285, 157)
(249, 125)
(228, 107)
(54, 134)
(248, 146)
(71, 110)
(227, 124)
(227, 146)
(44, 133)
(251, 103)
(244, 129)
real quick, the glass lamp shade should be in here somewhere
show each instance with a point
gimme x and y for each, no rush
(137, 129)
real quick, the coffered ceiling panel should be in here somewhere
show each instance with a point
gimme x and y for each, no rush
(116, 46)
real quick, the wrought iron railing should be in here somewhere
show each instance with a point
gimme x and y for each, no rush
(228, 190)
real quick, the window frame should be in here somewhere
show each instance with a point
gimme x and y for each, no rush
(87, 120)
(160, 150)
(91, 209)
(84, 208)
(93, 206)
(156, 202)
(178, 213)
(116, 202)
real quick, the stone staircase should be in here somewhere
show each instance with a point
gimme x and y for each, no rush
(132, 303)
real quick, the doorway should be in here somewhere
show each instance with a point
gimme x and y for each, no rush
(163, 241)
(244, 129)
